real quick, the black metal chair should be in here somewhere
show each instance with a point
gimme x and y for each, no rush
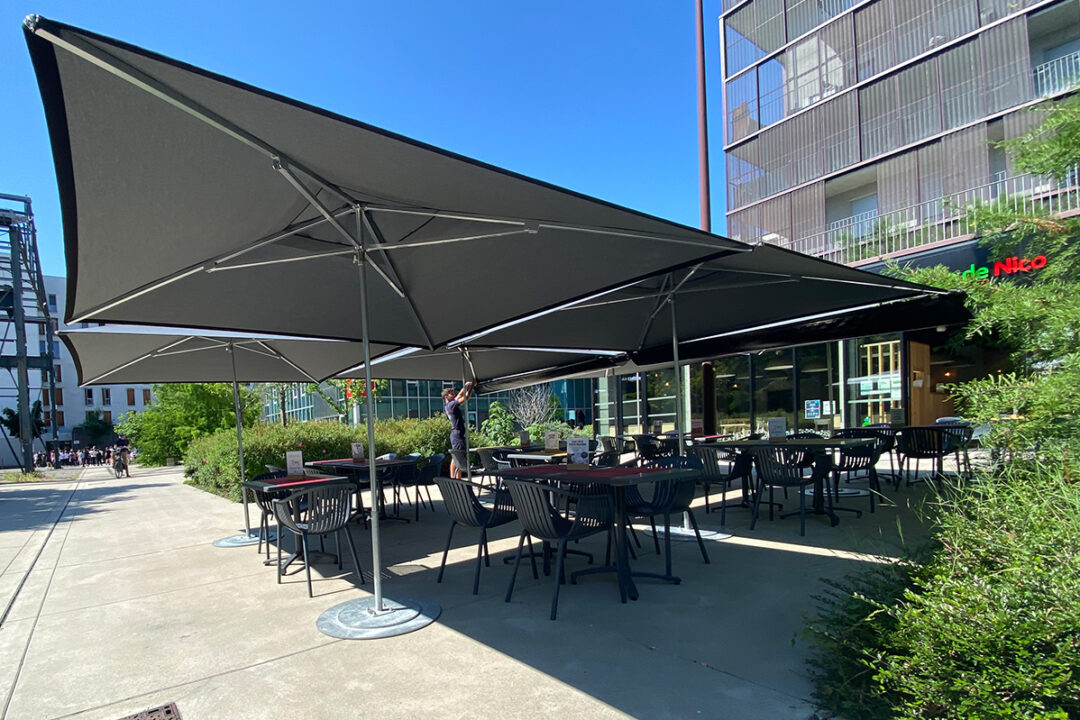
(960, 434)
(425, 479)
(545, 514)
(888, 447)
(922, 443)
(404, 477)
(739, 467)
(491, 464)
(461, 499)
(862, 458)
(265, 501)
(647, 448)
(778, 467)
(669, 497)
(319, 510)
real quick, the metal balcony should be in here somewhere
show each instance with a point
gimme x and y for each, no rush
(1057, 76)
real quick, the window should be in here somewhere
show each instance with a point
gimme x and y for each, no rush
(58, 396)
(107, 416)
(106, 396)
(59, 376)
(131, 396)
(88, 395)
(42, 348)
(60, 418)
(46, 417)
(52, 302)
(55, 324)
(146, 396)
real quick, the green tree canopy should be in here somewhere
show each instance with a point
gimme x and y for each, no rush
(95, 427)
(183, 412)
(10, 420)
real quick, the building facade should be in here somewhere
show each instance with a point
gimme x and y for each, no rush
(71, 402)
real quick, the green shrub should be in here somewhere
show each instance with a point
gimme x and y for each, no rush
(212, 463)
(537, 431)
(499, 426)
(987, 627)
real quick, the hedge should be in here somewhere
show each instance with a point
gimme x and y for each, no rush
(211, 462)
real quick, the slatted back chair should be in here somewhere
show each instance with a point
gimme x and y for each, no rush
(779, 467)
(319, 510)
(265, 500)
(739, 466)
(670, 497)
(862, 458)
(923, 443)
(647, 448)
(541, 509)
(462, 501)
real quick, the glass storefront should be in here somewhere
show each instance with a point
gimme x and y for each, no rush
(774, 387)
(873, 383)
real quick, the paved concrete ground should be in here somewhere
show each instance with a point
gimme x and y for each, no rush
(129, 606)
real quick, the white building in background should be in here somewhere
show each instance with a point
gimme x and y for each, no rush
(71, 402)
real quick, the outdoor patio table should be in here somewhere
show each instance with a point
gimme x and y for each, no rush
(358, 470)
(615, 479)
(537, 457)
(816, 446)
(282, 486)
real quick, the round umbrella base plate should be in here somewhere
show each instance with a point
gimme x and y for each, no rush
(844, 492)
(681, 534)
(242, 540)
(358, 619)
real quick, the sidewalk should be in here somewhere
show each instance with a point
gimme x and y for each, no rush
(129, 607)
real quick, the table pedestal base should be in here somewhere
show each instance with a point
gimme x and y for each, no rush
(359, 620)
(243, 540)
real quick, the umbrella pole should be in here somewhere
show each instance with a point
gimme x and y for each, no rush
(465, 413)
(370, 617)
(678, 383)
(369, 404)
(240, 438)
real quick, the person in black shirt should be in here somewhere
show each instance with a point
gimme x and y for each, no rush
(457, 422)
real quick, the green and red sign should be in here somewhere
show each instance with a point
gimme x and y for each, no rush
(1009, 266)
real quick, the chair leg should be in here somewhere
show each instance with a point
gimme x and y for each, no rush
(479, 561)
(532, 559)
(355, 557)
(279, 561)
(560, 556)
(655, 537)
(307, 564)
(802, 507)
(875, 486)
(446, 551)
(517, 564)
(667, 543)
(700, 542)
(757, 506)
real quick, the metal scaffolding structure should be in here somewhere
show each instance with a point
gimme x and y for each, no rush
(23, 302)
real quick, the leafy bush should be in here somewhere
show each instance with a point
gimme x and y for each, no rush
(988, 627)
(499, 425)
(537, 431)
(212, 463)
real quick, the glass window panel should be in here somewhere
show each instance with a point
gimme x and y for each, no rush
(732, 394)
(874, 41)
(631, 407)
(805, 15)
(1007, 65)
(744, 175)
(840, 136)
(915, 31)
(961, 85)
(742, 106)
(818, 378)
(774, 387)
(879, 131)
(873, 383)
(919, 98)
(770, 76)
(741, 51)
(660, 391)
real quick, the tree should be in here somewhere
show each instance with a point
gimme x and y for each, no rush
(182, 412)
(95, 427)
(10, 420)
(531, 405)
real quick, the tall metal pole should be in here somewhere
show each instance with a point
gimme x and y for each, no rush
(376, 554)
(703, 123)
(465, 415)
(239, 437)
(26, 438)
(678, 382)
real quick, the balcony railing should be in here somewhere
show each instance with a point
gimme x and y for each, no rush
(1057, 76)
(871, 235)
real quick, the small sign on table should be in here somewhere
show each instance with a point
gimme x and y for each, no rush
(777, 428)
(294, 462)
(551, 440)
(577, 452)
(524, 439)
(358, 452)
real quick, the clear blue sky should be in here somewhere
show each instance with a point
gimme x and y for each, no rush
(595, 95)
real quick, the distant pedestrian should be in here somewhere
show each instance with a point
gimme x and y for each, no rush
(457, 423)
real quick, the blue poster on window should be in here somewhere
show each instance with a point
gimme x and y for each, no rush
(812, 409)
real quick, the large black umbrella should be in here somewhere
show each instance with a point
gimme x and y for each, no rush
(131, 354)
(234, 208)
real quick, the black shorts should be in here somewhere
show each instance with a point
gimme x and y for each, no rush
(457, 441)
